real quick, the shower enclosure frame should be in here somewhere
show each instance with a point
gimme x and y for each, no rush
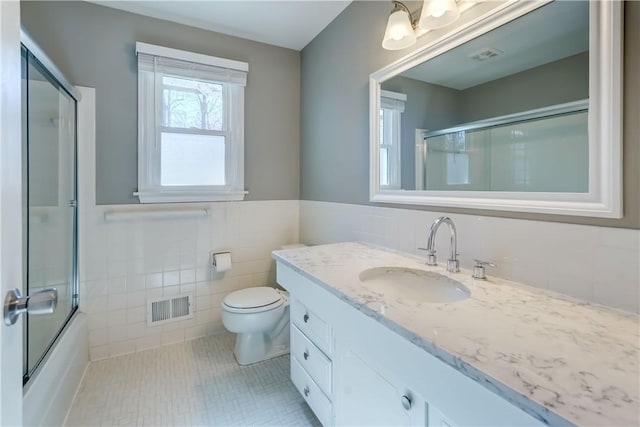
(54, 72)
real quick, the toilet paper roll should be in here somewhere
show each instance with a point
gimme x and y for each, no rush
(222, 261)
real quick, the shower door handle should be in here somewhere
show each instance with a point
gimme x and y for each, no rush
(41, 302)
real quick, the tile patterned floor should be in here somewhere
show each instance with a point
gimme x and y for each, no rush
(195, 383)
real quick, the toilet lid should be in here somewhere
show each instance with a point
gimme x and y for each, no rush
(252, 297)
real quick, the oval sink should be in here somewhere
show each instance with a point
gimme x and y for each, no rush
(414, 285)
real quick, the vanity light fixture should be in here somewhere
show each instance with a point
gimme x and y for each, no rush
(400, 32)
(403, 27)
(438, 13)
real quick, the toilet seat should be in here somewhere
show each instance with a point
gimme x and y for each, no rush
(253, 300)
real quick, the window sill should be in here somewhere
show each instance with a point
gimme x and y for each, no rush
(187, 196)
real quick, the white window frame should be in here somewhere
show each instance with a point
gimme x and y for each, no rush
(393, 103)
(150, 189)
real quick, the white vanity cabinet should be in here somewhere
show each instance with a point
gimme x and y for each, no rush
(311, 366)
(354, 370)
(368, 396)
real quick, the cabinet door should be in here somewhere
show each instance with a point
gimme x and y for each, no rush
(437, 419)
(367, 398)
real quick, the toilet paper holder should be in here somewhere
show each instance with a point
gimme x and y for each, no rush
(221, 261)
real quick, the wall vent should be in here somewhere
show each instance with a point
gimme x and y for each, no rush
(166, 310)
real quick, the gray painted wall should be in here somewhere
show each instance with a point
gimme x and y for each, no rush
(558, 82)
(94, 46)
(335, 112)
(428, 106)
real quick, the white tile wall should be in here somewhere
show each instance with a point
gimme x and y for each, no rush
(50, 264)
(597, 264)
(49, 240)
(125, 263)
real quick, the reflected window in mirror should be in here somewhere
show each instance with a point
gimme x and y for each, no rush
(391, 109)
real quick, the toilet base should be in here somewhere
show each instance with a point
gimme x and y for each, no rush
(256, 347)
(244, 361)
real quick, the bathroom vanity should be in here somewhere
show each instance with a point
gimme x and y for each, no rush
(506, 354)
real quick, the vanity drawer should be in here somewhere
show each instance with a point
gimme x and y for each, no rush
(318, 402)
(316, 329)
(312, 359)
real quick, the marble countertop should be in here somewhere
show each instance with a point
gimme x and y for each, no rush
(561, 360)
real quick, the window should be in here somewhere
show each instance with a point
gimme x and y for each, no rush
(190, 126)
(392, 106)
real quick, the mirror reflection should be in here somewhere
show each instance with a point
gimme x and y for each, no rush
(507, 111)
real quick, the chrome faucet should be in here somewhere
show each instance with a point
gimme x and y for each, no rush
(453, 264)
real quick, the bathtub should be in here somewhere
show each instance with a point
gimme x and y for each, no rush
(49, 393)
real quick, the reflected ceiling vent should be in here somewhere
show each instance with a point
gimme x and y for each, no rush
(485, 53)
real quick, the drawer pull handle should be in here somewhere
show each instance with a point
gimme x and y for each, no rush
(305, 318)
(406, 402)
(306, 391)
(305, 355)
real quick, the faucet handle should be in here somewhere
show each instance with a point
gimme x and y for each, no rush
(481, 262)
(431, 257)
(453, 265)
(479, 269)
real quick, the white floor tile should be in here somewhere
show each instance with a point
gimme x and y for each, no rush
(194, 383)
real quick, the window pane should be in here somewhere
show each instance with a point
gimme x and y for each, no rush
(192, 159)
(190, 103)
(384, 167)
(382, 138)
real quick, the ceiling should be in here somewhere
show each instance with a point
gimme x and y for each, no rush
(291, 24)
(552, 32)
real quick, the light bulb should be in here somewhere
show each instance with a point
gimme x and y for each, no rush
(438, 13)
(399, 33)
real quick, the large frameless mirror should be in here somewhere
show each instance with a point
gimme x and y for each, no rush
(520, 109)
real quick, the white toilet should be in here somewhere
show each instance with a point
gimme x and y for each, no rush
(260, 317)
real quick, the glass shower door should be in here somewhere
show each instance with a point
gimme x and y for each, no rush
(49, 141)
